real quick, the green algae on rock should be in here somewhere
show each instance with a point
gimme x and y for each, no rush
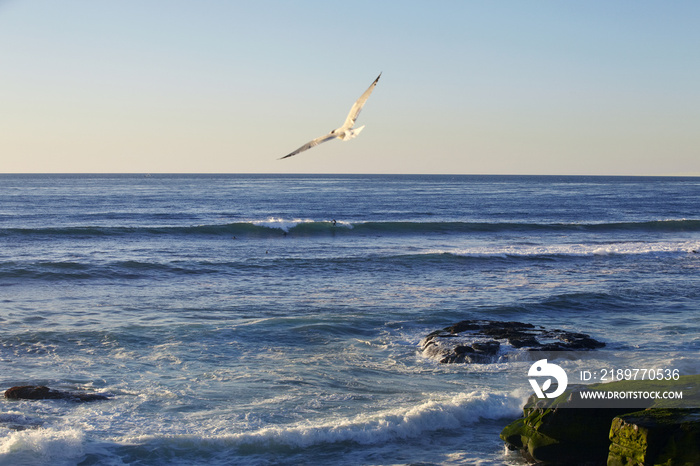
(565, 431)
(656, 436)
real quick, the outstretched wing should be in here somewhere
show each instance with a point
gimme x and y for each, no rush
(311, 144)
(357, 106)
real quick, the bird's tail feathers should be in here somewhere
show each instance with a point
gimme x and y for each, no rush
(352, 133)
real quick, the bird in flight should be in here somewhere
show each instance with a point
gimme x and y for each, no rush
(346, 131)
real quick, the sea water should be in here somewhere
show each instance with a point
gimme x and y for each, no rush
(277, 319)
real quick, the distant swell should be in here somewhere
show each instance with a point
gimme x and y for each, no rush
(274, 226)
(133, 269)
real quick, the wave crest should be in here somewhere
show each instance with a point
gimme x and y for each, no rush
(368, 429)
(307, 227)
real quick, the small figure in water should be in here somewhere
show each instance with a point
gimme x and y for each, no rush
(333, 222)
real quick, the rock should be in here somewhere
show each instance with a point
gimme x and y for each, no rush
(561, 431)
(486, 341)
(657, 436)
(40, 392)
(558, 434)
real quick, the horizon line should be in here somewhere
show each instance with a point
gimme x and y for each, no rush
(146, 173)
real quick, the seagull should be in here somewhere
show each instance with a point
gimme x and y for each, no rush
(346, 131)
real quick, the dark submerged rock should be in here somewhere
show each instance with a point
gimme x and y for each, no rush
(40, 392)
(19, 422)
(485, 341)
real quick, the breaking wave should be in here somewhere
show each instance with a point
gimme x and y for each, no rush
(369, 428)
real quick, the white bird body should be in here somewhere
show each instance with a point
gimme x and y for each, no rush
(351, 133)
(345, 132)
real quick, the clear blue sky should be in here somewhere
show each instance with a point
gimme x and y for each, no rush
(503, 87)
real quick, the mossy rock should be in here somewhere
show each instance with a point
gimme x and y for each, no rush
(561, 431)
(562, 435)
(666, 437)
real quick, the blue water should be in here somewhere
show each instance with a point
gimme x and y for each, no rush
(277, 319)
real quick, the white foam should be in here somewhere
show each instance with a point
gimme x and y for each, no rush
(371, 428)
(582, 250)
(42, 446)
(280, 223)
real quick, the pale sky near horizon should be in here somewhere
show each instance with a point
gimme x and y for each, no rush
(468, 87)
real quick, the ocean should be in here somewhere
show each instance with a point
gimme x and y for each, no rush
(277, 319)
